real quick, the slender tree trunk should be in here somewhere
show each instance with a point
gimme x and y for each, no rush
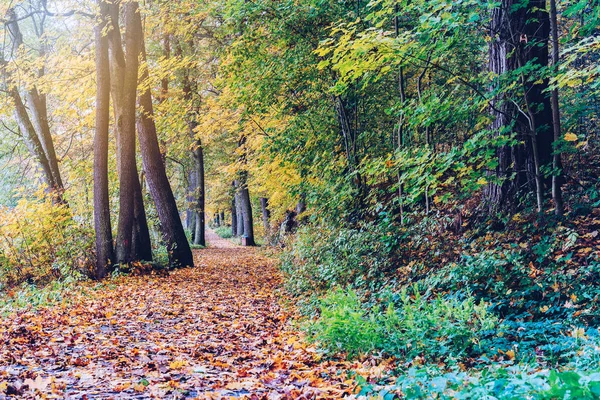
(246, 206)
(519, 32)
(31, 138)
(198, 157)
(234, 220)
(200, 237)
(126, 121)
(266, 215)
(104, 244)
(35, 128)
(39, 111)
(141, 247)
(239, 209)
(559, 208)
(180, 254)
(190, 212)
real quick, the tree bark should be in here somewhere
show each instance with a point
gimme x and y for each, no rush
(234, 220)
(104, 244)
(126, 139)
(31, 138)
(190, 215)
(141, 244)
(200, 236)
(36, 125)
(246, 207)
(239, 210)
(198, 157)
(178, 247)
(520, 32)
(266, 215)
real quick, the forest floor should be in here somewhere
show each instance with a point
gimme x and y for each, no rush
(218, 330)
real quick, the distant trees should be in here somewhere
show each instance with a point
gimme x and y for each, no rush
(32, 115)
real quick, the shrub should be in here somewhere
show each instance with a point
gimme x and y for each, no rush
(326, 257)
(41, 241)
(224, 232)
(417, 326)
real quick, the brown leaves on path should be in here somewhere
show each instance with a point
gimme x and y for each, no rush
(215, 331)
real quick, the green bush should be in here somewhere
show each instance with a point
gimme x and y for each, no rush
(417, 326)
(224, 232)
(324, 257)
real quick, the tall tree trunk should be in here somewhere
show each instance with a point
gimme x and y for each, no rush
(190, 214)
(559, 207)
(234, 220)
(178, 247)
(198, 157)
(239, 210)
(246, 207)
(36, 125)
(141, 247)
(200, 236)
(266, 215)
(104, 244)
(31, 138)
(39, 111)
(126, 140)
(520, 31)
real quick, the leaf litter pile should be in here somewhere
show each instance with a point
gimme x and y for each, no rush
(211, 332)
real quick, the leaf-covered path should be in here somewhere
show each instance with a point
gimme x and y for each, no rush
(215, 331)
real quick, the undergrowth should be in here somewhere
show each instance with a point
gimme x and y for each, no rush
(518, 306)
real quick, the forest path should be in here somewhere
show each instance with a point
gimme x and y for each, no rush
(215, 241)
(214, 331)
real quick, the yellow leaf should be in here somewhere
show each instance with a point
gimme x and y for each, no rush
(482, 181)
(139, 387)
(570, 137)
(573, 298)
(510, 354)
(178, 364)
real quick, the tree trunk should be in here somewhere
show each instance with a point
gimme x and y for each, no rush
(104, 244)
(266, 215)
(31, 138)
(126, 140)
(520, 36)
(141, 245)
(200, 236)
(36, 128)
(190, 215)
(246, 207)
(234, 220)
(178, 247)
(239, 210)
